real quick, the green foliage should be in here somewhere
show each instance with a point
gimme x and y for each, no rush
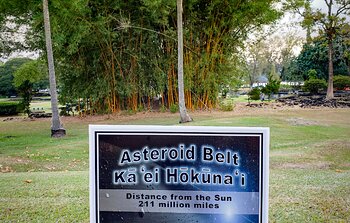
(227, 105)
(117, 53)
(8, 108)
(314, 56)
(24, 79)
(25, 91)
(312, 74)
(341, 82)
(163, 109)
(292, 72)
(254, 94)
(7, 71)
(174, 108)
(271, 88)
(314, 85)
(30, 71)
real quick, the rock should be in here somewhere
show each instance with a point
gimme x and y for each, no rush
(316, 101)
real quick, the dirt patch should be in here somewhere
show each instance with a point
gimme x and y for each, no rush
(14, 160)
(5, 169)
(7, 163)
(302, 122)
(318, 165)
(241, 109)
(337, 153)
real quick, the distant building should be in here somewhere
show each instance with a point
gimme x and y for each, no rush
(262, 81)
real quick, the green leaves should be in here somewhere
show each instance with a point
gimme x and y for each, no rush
(314, 56)
(31, 71)
(119, 54)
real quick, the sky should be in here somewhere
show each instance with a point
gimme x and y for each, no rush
(288, 24)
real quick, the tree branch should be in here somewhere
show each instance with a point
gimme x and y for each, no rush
(343, 9)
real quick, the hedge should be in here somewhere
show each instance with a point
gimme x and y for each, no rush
(341, 82)
(9, 108)
(314, 85)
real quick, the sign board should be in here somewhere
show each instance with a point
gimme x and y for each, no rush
(178, 174)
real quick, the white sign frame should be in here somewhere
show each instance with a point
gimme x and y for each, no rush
(264, 155)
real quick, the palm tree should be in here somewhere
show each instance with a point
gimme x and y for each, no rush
(184, 117)
(56, 128)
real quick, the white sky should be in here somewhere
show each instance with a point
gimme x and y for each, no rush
(287, 24)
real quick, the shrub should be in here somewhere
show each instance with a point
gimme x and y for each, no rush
(314, 85)
(163, 109)
(227, 105)
(271, 88)
(174, 108)
(9, 108)
(312, 74)
(341, 82)
(254, 94)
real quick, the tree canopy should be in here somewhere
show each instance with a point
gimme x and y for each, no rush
(7, 71)
(314, 56)
(117, 55)
(25, 77)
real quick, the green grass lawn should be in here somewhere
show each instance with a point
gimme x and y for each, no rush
(37, 104)
(41, 105)
(46, 180)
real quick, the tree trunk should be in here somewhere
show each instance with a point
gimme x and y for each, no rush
(330, 94)
(330, 30)
(56, 127)
(184, 117)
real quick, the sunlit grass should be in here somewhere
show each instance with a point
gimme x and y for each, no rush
(309, 164)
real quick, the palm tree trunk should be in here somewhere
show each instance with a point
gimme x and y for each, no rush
(56, 127)
(330, 31)
(330, 94)
(184, 117)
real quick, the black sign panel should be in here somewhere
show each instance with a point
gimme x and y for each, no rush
(178, 174)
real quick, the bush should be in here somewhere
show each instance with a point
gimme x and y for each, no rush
(341, 82)
(174, 108)
(271, 88)
(9, 108)
(163, 109)
(140, 108)
(314, 85)
(227, 105)
(254, 94)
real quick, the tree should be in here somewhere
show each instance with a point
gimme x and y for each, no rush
(184, 117)
(256, 61)
(314, 56)
(108, 68)
(306, 23)
(56, 128)
(331, 23)
(7, 71)
(271, 54)
(24, 79)
(273, 84)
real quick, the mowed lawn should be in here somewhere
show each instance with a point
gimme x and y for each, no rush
(46, 180)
